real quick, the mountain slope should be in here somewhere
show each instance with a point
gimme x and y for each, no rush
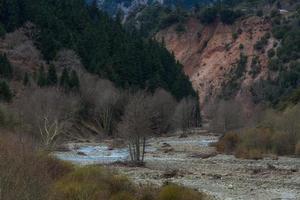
(254, 59)
(102, 44)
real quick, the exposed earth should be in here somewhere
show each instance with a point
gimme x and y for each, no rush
(192, 162)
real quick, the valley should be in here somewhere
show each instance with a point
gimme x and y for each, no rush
(192, 161)
(149, 100)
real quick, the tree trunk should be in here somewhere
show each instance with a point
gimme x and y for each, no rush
(144, 147)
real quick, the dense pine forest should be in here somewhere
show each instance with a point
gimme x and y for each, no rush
(102, 44)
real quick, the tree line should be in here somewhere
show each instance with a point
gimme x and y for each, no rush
(104, 47)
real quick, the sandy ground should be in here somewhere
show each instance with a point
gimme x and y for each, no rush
(222, 176)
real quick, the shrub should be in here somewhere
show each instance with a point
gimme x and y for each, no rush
(275, 64)
(208, 15)
(253, 154)
(259, 13)
(175, 192)
(122, 196)
(22, 175)
(271, 53)
(228, 143)
(234, 36)
(228, 16)
(5, 92)
(93, 183)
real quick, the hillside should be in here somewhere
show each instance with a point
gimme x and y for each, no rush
(101, 43)
(237, 60)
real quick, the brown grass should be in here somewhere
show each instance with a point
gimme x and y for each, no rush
(256, 142)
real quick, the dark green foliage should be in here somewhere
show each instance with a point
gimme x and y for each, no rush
(241, 66)
(2, 30)
(208, 15)
(274, 90)
(259, 13)
(180, 28)
(236, 74)
(103, 45)
(51, 76)
(64, 79)
(228, 16)
(5, 67)
(74, 80)
(26, 80)
(234, 36)
(271, 53)
(11, 14)
(290, 48)
(280, 31)
(255, 66)
(260, 45)
(176, 16)
(5, 92)
(42, 78)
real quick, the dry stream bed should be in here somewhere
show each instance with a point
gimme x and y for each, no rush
(193, 163)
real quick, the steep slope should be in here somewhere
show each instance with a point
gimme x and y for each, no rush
(101, 43)
(210, 54)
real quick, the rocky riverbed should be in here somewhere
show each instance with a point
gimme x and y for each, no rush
(192, 162)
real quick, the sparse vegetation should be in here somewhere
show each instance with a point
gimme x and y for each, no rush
(27, 173)
(277, 133)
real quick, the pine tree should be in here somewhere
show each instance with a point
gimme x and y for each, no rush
(51, 76)
(5, 67)
(26, 80)
(74, 80)
(42, 80)
(5, 92)
(64, 79)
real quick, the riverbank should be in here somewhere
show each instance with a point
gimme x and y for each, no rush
(192, 162)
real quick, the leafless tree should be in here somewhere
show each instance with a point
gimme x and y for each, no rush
(228, 116)
(186, 114)
(103, 101)
(48, 112)
(136, 125)
(162, 107)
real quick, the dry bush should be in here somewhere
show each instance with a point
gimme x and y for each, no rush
(277, 133)
(186, 115)
(227, 116)
(48, 113)
(175, 192)
(22, 175)
(228, 143)
(255, 142)
(104, 103)
(253, 154)
(162, 105)
(136, 125)
(93, 183)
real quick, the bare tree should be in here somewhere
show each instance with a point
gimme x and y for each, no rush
(103, 101)
(136, 125)
(162, 107)
(48, 112)
(186, 114)
(228, 116)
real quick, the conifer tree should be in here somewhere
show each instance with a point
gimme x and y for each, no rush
(5, 92)
(64, 79)
(51, 76)
(26, 80)
(74, 80)
(5, 67)
(42, 80)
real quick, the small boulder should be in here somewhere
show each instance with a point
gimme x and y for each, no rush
(81, 153)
